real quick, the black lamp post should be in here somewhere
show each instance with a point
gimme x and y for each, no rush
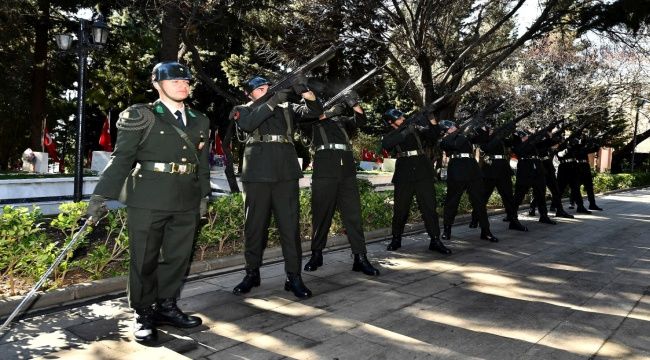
(639, 103)
(88, 39)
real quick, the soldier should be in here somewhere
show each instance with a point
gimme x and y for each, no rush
(497, 173)
(463, 174)
(582, 149)
(530, 172)
(270, 178)
(414, 176)
(567, 173)
(166, 141)
(334, 184)
(547, 153)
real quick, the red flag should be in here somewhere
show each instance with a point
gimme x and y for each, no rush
(218, 147)
(105, 137)
(49, 145)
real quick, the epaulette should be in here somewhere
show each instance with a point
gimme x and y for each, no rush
(136, 117)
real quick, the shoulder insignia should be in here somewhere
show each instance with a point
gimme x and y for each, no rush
(159, 109)
(135, 117)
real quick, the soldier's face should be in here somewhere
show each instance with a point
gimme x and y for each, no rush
(398, 122)
(174, 90)
(259, 92)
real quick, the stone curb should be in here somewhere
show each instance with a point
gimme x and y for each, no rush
(85, 292)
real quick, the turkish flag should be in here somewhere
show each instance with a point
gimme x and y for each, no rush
(218, 147)
(49, 145)
(105, 137)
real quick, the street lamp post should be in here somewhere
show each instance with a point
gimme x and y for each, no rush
(88, 39)
(639, 104)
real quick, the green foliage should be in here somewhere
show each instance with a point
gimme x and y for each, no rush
(225, 221)
(68, 222)
(365, 141)
(115, 244)
(607, 182)
(21, 238)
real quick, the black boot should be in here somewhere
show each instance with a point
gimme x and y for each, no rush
(595, 207)
(544, 219)
(395, 244)
(563, 214)
(315, 261)
(487, 235)
(446, 232)
(144, 329)
(252, 279)
(166, 312)
(362, 264)
(516, 225)
(582, 210)
(294, 284)
(437, 245)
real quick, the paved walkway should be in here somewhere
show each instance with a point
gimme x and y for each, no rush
(577, 290)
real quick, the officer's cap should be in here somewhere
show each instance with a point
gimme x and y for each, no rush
(392, 115)
(446, 124)
(254, 83)
(170, 70)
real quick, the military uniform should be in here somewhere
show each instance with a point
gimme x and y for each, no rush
(414, 176)
(531, 174)
(270, 179)
(334, 181)
(463, 174)
(161, 178)
(497, 174)
(582, 150)
(547, 153)
(567, 175)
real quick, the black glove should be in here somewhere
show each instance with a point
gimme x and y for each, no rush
(299, 84)
(350, 100)
(278, 98)
(334, 111)
(96, 208)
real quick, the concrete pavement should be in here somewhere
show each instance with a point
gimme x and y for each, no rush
(576, 290)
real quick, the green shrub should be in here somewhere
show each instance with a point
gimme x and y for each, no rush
(21, 242)
(69, 222)
(115, 244)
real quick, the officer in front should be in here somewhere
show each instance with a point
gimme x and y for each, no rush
(463, 174)
(270, 177)
(414, 176)
(167, 142)
(334, 183)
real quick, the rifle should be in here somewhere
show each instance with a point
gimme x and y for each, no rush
(338, 97)
(505, 129)
(290, 79)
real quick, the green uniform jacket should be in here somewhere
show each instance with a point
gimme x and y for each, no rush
(271, 162)
(158, 190)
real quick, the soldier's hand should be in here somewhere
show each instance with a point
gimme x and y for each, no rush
(335, 110)
(280, 97)
(299, 84)
(96, 208)
(234, 113)
(350, 100)
(203, 206)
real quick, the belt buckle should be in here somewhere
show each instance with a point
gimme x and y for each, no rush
(173, 168)
(159, 167)
(182, 168)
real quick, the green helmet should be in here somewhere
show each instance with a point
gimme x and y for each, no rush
(170, 70)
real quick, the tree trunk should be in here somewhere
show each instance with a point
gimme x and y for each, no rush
(39, 75)
(170, 32)
(426, 78)
(625, 153)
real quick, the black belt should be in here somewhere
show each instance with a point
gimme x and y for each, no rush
(172, 168)
(343, 147)
(582, 161)
(530, 158)
(461, 155)
(569, 160)
(271, 139)
(409, 153)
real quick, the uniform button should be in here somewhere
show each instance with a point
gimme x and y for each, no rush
(161, 132)
(183, 159)
(139, 175)
(184, 147)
